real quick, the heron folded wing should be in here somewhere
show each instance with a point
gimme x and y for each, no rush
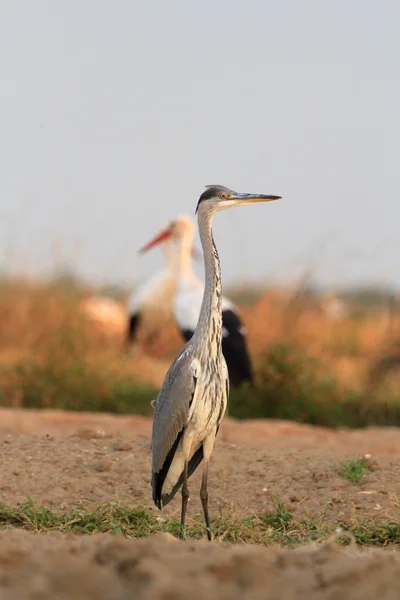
(172, 408)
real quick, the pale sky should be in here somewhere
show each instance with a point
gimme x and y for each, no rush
(115, 114)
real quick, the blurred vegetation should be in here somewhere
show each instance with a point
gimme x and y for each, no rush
(293, 385)
(313, 364)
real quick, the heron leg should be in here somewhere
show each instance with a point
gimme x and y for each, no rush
(186, 447)
(208, 446)
(204, 500)
(185, 498)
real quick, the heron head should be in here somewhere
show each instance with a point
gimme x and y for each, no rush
(218, 197)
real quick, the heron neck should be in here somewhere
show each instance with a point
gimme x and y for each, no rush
(209, 324)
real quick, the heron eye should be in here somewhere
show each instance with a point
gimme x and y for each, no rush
(223, 196)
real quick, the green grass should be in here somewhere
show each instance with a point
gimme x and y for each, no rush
(354, 470)
(269, 528)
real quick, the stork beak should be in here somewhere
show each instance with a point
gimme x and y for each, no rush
(161, 237)
(252, 198)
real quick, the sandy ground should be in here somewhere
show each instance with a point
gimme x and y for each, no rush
(70, 459)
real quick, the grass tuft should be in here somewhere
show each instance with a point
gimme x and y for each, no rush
(275, 527)
(354, 470)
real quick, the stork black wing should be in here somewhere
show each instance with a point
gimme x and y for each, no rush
(133, 324)
(234, 349)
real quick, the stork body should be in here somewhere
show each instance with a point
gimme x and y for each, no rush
(188, 299)
(107, 313)
(194, 394)
(151, 305)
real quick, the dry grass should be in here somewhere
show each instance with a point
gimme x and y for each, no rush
(44, 322)
(52, 356)
(347, 346)
(47, 345)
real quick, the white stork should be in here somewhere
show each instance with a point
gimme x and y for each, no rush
(189, 296)
(107, 313)
(151, 305)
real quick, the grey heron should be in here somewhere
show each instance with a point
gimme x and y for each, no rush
(188, 299)
(194, 393)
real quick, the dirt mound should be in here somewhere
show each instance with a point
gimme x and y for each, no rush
(101, 567)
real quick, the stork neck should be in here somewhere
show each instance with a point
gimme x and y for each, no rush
(185, 255)
(170, 255)
(209, 324)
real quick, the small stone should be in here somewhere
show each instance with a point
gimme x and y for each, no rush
(122, 446)
(103, 465)
(161, 519)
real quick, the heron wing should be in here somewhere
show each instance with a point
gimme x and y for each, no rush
(172, 408)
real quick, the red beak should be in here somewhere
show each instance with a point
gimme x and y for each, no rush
(161, 237)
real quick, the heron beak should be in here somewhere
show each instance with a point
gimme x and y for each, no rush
(161, 237)
(252, 198)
